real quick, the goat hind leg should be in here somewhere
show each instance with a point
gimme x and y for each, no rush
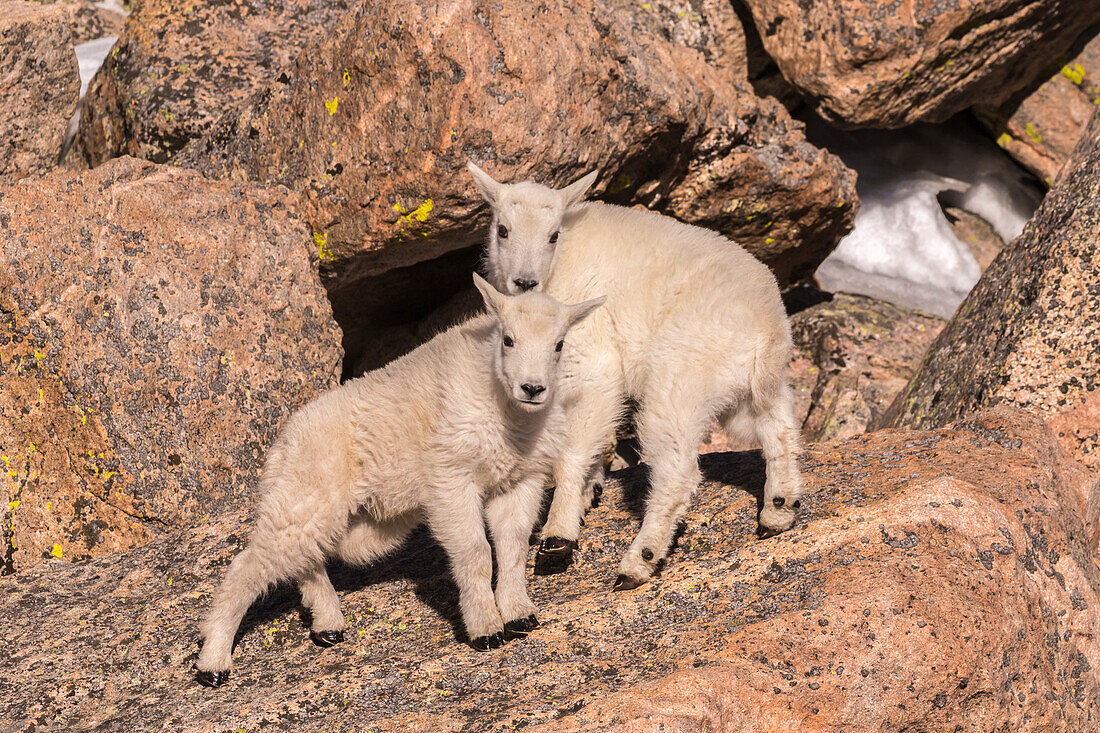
(364, 542)
(780, 440)
(250, 574)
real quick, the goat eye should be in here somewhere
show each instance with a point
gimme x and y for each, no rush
(558, 347)
(509, 342)
(502, 231)
(554, 238)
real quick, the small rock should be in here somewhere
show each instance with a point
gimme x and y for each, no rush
(704, 647)
(976, 233)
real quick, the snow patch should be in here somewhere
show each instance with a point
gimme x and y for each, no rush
(89, 57)
(902, 248)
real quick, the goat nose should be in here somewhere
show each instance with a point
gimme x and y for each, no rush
(525, 285)
(533, 390)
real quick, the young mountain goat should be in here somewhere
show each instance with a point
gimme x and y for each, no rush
(693, 329)
(464, 429)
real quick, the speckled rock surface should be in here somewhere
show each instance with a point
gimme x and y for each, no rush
(90, 21)
(374, 128)
(1029, 332)
(39, 86)
(177, 67)
(1041, 127)
(152, 341)
(939, 579)
(853, 355)
(889, 64)
(711, 27)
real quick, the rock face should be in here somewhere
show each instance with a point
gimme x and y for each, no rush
(711, 27)
(375, 125)
(90, 21)
(1029, 332)
(177, 67)
(39, 86)
(152, 340)
(854, 354)
(939, 579)
(866, 63)
(1041, 128)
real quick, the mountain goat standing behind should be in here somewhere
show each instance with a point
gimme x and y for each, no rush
(693, 329)
(464, 429)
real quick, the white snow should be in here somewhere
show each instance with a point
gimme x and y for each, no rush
(902, 249)
(89, 57)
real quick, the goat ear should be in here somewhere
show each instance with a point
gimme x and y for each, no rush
(490, 189)
(575, 191)
(494, 299)
(580, 311)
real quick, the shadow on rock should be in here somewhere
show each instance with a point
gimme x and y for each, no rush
(420, 562)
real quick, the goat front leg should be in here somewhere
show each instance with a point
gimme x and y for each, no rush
(593, 406)
(511, 517)
(455, 518)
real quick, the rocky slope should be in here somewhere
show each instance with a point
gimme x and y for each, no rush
(152, 341)
(939, 578)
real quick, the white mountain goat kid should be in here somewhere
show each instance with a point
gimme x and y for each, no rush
(464, 429)
(693, 329)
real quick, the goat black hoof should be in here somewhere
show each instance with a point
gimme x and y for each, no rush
(555, 555)
(212, 679)
(520, 627)
(625, 582)
(485, 643)
(764, 533)
(597, 492)
(326, 638)
(557, 546)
